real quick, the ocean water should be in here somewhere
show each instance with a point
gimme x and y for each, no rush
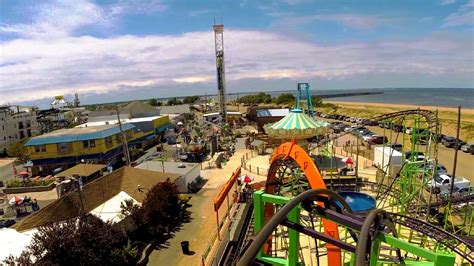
(437, 97)
(444, 97)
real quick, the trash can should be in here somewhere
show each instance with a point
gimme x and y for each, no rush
(185, 247)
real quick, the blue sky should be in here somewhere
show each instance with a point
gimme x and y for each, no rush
(123, 49)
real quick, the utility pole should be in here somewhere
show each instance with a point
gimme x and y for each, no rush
(456, 148)
(126, 153)
(357, 163)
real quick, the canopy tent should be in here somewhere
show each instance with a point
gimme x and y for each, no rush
(13, 242)
(348, 160)
(296, 125)
(111, 210)
(246, 178)
(15, 200)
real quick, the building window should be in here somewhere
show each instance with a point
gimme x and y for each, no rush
(88, 143)
(28, 132)
(40, 148)
(28, 123)
(118, 138)
(64, 147)
(108, 142)
(20, 125)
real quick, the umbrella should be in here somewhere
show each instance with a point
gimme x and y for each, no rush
(24, 173)
(177, 145)
(246, 178)
(59, 170)
(348, 160)
(16, 200)
(179, 123)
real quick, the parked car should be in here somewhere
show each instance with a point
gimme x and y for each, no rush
(368, 136)
(414, 156)
(377, 140)
(397, 147)
(450, 142)
(397, 128)
(468, 148)
(440, 168)
(441, 183)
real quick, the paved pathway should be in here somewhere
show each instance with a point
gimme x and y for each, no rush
(203, 225)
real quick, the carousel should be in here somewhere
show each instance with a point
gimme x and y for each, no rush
(296, 126)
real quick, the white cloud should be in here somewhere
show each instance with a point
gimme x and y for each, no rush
(36, 68)
(56, 19)
(350, 20)
(66, 17)
(447, 2)
(463, 16)
(200, 12)
(137, 7)
(353, 20)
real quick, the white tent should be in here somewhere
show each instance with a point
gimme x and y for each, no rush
(111, 210)
(13, 242)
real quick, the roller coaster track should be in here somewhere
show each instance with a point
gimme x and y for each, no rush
(461, 246)
(451, 241)
(430, 116)
(454, 201)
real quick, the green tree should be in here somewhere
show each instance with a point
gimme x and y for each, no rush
(153, 102)
(256, 98)
(174, 101)
(162, 159)
(18, 150)
(285, 98)
(159, 216)
(190, 99)
(317, 102)
(83, 241)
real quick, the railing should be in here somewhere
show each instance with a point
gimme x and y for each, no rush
(252, 168)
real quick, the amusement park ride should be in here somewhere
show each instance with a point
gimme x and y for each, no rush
(299, 219)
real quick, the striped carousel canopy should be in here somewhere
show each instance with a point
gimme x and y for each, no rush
(296, 125)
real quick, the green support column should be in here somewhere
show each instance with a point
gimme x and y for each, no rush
(259, 215)
(293, 216)
(375, 252)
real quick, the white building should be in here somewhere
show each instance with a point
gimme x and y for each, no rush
(16, 123)
(188, 172)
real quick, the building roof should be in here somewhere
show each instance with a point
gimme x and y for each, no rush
(133, 109)
(111, 210)
(95, 193)
(272, 112)
(77, 134)
(175, 109)
(136, 108)
(170, 167)
(115, 121)
(82, 170)
(228, 113)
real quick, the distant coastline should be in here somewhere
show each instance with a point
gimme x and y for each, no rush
(442, 97)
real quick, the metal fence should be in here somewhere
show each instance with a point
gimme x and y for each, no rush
(252, 168)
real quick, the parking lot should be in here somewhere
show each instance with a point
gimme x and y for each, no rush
(366, 129)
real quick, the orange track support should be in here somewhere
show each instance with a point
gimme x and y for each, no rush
(296, 153)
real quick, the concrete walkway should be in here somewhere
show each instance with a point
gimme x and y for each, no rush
(203, 224)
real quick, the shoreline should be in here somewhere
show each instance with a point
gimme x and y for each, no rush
(403, 106)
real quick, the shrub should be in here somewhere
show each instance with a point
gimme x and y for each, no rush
(28, 183)
(83, 241)
(160, 215)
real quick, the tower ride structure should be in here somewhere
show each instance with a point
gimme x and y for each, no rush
(219, 46)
